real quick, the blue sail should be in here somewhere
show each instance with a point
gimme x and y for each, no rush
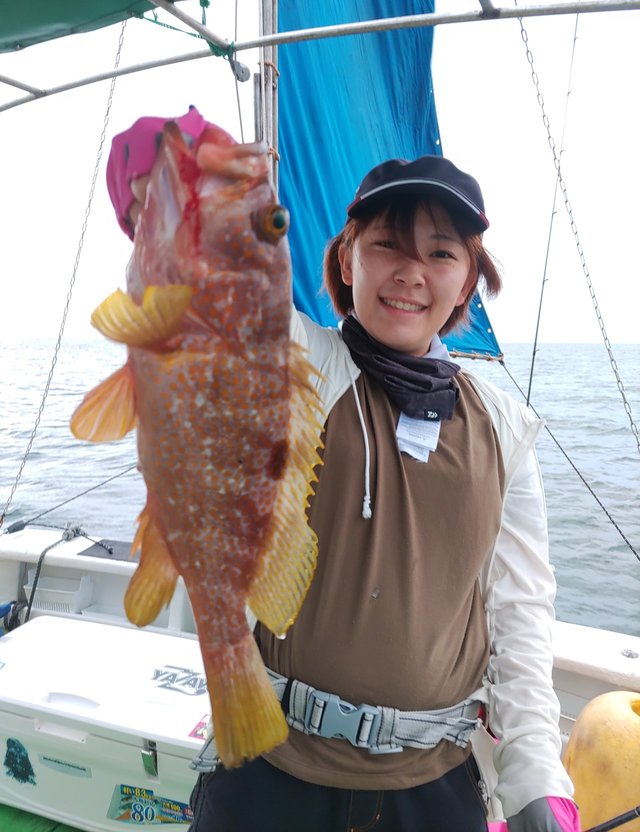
(345, 105)
(476, 338)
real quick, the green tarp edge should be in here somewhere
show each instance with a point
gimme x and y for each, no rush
(24, 24)
(15, 820)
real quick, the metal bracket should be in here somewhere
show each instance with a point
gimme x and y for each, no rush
(149, 755)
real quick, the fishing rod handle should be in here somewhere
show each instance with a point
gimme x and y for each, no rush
(617, 821)
(613, 823)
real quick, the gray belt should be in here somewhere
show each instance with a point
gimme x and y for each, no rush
(378, 729)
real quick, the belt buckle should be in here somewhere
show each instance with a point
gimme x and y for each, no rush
(326, 715)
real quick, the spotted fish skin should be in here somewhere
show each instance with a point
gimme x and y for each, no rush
(226, 418)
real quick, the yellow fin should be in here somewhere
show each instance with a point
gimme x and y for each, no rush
(247, 717)
(163, 308)
(287, 566)
(154, 581)
(108, 411)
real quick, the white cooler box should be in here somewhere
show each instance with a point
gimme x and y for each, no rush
(98, 723)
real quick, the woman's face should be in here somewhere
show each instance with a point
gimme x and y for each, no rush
(401, 301)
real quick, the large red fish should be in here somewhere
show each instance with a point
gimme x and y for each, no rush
(226, 418)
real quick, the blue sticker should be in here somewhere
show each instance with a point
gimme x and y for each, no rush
(17, 762)
(138, 805)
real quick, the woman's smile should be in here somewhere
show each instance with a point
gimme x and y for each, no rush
(403, 305)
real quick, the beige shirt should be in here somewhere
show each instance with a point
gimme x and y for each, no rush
(394, 615)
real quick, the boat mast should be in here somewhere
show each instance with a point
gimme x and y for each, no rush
(266, 86)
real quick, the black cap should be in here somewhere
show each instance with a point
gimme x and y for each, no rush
(432, 176)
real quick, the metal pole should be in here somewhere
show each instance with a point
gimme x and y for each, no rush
(488, 12)
(266, 88)
(104, 76)
(406, 22)
(420, 20)
(270, 73)
(617, 821)
(275, 76)
(241, 71)
(25, 87)
(189, 21)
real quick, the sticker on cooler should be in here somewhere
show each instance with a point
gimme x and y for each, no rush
(200, 730)
(140, 806)
(65, 766)
(180, 679)
(17, 763)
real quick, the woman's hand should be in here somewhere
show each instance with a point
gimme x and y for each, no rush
(546, 814)
(139, 190)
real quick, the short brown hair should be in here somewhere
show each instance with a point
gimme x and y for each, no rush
(401, 215)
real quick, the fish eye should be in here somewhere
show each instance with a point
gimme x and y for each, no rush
(272, 223)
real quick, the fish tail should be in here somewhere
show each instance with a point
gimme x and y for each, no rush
(247, 717)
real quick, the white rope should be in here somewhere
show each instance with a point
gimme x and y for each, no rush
(367, 512)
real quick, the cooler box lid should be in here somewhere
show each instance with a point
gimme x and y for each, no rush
(114, 678)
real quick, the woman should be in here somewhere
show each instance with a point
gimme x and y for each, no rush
(432, 599)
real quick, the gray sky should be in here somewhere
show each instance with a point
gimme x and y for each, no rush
(490, 125)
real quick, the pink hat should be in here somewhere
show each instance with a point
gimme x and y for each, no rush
(134, 152)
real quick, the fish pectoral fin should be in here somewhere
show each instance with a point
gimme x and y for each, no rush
(159, 316)
(108, 411)
(285, 571)
(154, 581)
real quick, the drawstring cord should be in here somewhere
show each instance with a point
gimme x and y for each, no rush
(366, 503)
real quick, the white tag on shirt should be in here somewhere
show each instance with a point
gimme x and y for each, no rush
(417, 437)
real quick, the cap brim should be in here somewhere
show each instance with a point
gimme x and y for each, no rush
(451, 197)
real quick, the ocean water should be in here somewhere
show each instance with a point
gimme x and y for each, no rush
(574, 389)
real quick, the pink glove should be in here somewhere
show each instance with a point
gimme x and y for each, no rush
(546, 814)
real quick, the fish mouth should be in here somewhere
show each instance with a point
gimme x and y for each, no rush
(403, 305)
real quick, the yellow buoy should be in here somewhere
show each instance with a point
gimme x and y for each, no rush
(603, 758)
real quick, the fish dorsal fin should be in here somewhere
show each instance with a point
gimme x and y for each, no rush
(154, 581)
(108, 411)
(158, 317)
(284, 574)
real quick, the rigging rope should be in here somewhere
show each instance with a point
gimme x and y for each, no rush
(235, 37)
(21, 524)
(573, 465)
(216, 50)
(574, 229)
(71, 282)
(552, 218)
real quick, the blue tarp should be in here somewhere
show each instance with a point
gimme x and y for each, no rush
(345, 105)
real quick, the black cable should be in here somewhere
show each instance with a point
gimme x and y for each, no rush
(32, 595)
(68, 534)
(12, 619)
(572, 464)
(19, 525)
